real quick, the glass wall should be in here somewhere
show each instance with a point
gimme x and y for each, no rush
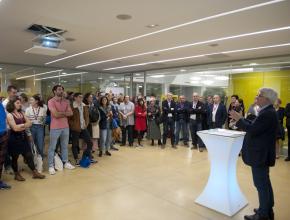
(243, 78)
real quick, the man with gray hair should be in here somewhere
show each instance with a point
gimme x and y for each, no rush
(259, 150)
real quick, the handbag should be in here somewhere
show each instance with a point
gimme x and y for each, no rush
(85, 162)
(37, 158)
(58, 164)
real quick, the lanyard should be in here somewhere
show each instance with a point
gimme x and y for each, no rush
(36, 115)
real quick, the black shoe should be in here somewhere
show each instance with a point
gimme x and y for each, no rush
(77, 163)
(114, 148)
(94, 161)
(193, 147)
(108, 153)
(271, 215)
(152, 143)
(130, 145)
(4, 185)
(255, 217)
(174, 146)
(159, 142)
(287, 159)
(100, 153)
(122, 145)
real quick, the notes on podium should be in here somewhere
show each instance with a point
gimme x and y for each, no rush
(222, 192)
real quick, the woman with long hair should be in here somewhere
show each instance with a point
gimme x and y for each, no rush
(140, 121)
(18, 141)
(94, 117)
(105, 126)
(36, 113)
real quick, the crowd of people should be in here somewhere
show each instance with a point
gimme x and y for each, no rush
(101, 120)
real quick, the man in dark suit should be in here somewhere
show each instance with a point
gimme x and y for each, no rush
(217, 114)
(182, 119)
(287, 115)
(197, 112)
(168, 115)
(259, 150)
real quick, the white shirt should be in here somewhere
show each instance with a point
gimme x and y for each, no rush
(36, 115)
(214, 110)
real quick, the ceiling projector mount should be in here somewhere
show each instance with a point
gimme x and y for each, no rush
(47, 40)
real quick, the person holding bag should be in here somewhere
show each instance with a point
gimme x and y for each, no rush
(18, 141)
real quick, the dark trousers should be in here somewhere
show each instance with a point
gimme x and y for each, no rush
(169, 127)
(194, 127)
(140, 135)
(28, 158)
(181, 125)
(265, 192)
(3, 150)
(288, 132)
(85, 135)
(128, 129)
(214, 125)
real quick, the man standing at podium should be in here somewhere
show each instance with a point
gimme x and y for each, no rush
(259, 150)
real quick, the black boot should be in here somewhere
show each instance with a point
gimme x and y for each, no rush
(152, 142)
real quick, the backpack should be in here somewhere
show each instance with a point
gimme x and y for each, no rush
(94, 114)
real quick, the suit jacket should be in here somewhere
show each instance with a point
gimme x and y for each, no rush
(287, 115)
(220, 117)
(166, 110)
(200, 111)
(259, 143)
(182, 113)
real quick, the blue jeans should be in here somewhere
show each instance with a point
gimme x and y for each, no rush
(106, 139)
(181, 125)
(37, 132)
(264, 187)
(63, 134)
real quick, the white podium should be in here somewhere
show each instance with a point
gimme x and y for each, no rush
(222, 192)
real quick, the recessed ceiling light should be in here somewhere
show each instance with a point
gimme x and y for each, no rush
(138, 74)
(188, 45)
(140, 86)
(63, 73)
(253, 64)
(172, 28)
(194, 82)
(182, 70)
(199, 56)
(100, 78)
(157, 76)
(124, 17)
(128, 87)
(152, 25)
(111, 77)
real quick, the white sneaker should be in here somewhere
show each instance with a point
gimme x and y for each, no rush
(69, 166)
(51, 170)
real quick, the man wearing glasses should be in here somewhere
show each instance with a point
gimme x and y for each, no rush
(258, 150)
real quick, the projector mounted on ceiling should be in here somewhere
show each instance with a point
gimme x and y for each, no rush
(47, 41)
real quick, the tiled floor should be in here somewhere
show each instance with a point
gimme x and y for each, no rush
(135, 183)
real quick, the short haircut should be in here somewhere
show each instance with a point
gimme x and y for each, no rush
(269, 94)
(56, 87)
(235, 96)
(9, 88)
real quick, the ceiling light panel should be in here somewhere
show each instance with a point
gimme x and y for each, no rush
(248, 8)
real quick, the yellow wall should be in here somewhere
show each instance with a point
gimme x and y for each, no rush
(246, 85)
